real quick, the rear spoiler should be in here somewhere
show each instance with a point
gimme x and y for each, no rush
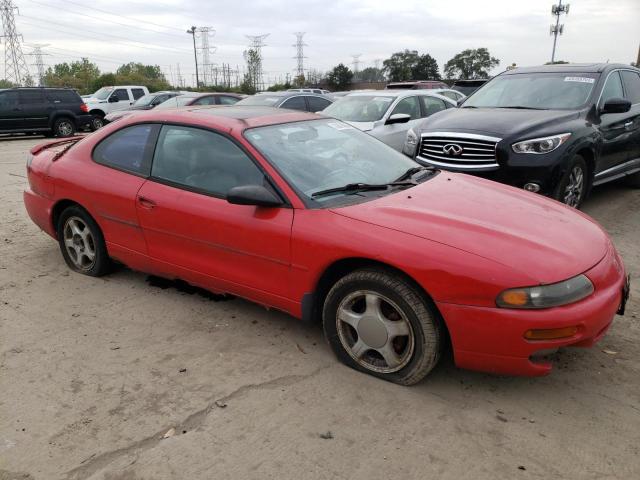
(43, 146)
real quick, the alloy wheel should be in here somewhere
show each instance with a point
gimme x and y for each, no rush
(375, 332)
(65, 128)
(575, 186)
(80, 244)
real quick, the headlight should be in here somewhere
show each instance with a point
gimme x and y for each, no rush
(541, 145)
(412, 138)
(546, 296)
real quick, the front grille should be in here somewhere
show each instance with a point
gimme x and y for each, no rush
(458, 150)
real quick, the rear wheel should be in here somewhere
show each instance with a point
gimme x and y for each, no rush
(64, 127)
(81, 243)
(379, 323)
(572, 188)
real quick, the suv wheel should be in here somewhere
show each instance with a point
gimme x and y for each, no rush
(98, 122)
(572, 188)
(377, 322)
(64, 127)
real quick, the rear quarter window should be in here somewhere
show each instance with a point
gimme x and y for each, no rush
(129, 149)
(63, 96)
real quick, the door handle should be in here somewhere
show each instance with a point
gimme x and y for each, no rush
(628, 125)
(146, 203)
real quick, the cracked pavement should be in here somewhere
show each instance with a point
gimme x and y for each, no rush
(95, 373)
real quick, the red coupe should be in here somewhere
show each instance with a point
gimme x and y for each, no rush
(311, 216)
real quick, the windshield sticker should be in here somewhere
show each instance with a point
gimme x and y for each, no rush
(580, 79)
(340, 126)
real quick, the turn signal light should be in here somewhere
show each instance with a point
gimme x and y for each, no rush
(516, 298)
(550, 333)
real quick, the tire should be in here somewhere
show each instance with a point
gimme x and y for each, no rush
(572, 187)
(391, 330)
(633, 180)
(98, 122)
(64, 127)
(82, 243)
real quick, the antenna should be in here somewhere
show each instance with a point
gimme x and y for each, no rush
(558, 28)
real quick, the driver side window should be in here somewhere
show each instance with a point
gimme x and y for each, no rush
(203, 161)
(408, 106)
(612, 89)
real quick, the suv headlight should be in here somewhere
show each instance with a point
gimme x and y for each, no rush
(410, 143)
(546, 296)
(541, 145)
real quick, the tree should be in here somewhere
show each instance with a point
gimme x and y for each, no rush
(139, 74)
(79, 75)
(410, 65)
(471, 63)
(278, 87)
(340, 77)
(371, 74)
(251, 81)
(6, 84)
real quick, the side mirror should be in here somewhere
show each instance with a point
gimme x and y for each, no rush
(253, 195)
(113, 99)
(398, 118)
(616, 105)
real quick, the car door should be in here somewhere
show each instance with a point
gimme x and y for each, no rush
(35, 108)
(193, 232)
(616, 138)
(124, 101)
(631, 80)
(10, 111)
(122, 162)
(394, 134)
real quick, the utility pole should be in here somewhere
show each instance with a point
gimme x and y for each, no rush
(192, 32)
(638, 60)
(205, 33)
(299, 55)
(356, 65)
(38, 54)
(257, 42)
(557, 29)
(15, 66)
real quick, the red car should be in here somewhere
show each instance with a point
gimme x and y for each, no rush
(311, 216)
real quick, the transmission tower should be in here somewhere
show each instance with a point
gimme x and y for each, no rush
(356, 64)
(557, 29)
(37, 55)
(179, 78)
(257, 42)
(15, 66)
(205, 34)
(299, 54)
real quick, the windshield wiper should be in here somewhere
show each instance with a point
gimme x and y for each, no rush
(412, 171)
(361, 187)
(522, 107)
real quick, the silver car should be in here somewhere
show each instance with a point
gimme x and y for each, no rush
(454, 95)
(388, 114)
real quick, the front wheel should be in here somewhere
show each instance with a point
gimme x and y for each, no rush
(379, 323)
(82, 243)
(572, 188)
(97, 122)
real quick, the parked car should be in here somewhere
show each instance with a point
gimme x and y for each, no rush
(111, 99)
(52, 111)
(557, 129)
(451, 94)
(319, 91)
(146, 102)
(308, 215)
(467, 87)
(416, 85)
(306, 102)
(388, 114)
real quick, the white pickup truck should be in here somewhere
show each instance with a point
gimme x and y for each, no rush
(111, 99)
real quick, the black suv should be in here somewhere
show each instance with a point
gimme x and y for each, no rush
(53, 111)
(556, 129)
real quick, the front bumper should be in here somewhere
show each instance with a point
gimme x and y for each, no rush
(492, 339)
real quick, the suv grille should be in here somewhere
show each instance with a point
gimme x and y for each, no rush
(458, 150)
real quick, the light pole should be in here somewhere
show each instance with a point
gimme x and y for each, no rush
(192, 32)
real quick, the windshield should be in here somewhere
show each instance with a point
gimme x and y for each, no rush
(359, 108)
(316, 155)
(261, 100)
(544, 91)
(144, 100)
(175, 102)
(103, 93)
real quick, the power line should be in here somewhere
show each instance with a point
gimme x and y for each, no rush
(15, 66)
(300, 54)
(558, 28)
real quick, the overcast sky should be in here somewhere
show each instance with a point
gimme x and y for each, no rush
(515, 31)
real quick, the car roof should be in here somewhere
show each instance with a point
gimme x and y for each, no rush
(392, 93)
(227, 117)
(289, 94)
(568, 68)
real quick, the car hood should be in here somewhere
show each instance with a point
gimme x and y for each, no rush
(364, 126)
(502, 122)
(543, 239)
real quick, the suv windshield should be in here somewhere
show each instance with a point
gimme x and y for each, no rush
(360, 108)
(103, 93)
(545, 91)
(317, 155)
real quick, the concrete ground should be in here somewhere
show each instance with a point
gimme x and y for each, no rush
(95, 373)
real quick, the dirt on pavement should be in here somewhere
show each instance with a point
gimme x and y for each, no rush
(122, 378)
